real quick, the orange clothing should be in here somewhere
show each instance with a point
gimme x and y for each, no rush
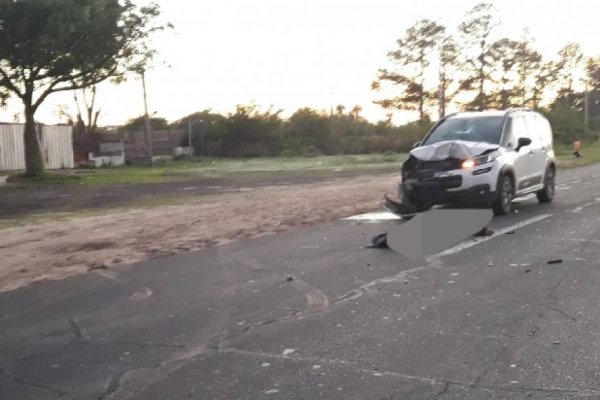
(577, 146)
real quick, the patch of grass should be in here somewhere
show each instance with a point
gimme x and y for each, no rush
(590, 154)
(197, 167)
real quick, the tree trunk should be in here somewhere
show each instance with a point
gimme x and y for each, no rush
(442, 95)
(34, 161)
(481, 105)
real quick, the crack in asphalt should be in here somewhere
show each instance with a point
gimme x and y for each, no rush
(422, 379)
(75, 329)
(316, 302)
(487, 369)
(329, 361)
(552, 293)
(444, 390)
(559, 311)
(366, 288)
(113, 385)
(135, 343)
(28, 383)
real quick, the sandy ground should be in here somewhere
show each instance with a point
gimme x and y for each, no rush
(58, 249)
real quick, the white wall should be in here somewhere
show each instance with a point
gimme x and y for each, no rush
(57, 147)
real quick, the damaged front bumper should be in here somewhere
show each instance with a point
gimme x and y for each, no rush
(427, 184)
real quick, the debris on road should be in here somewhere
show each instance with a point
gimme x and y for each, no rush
(379, 241)
(484, 232)
(528, 270)
(290, 279)
(557, 261)
(510, 233)
(287, 352)
(397, 207)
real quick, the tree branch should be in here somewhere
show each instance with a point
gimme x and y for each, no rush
(53, 89)
(7, 83)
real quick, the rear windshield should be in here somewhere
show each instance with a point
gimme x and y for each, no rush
(472, 129)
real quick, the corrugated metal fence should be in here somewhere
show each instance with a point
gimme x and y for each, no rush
(12, 148)
(56, 141)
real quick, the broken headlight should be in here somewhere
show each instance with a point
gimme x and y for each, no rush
(480, 160)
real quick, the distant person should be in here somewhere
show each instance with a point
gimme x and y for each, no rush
(577, 148)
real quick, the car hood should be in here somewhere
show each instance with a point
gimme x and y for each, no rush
(458, 149)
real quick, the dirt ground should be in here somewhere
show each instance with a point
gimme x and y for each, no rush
(62, 248)
(21, 200)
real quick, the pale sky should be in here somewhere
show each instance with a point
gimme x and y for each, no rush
(292, 54)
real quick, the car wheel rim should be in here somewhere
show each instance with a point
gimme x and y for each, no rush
(506, 194)
(550, 183)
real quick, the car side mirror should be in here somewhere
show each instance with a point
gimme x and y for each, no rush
(416, 144)
(522, 143)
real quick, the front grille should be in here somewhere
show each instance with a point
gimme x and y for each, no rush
(442, 165)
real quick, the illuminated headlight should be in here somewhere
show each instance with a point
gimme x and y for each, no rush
(481, 160)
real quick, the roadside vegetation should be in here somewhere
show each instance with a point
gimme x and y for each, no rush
(210, 167)
(190, 168)
(590, 154)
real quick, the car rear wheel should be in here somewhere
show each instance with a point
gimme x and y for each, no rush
(503, 203)
(547, 193)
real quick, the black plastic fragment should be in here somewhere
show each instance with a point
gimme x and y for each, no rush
(485, 232)
(379, 241)
(558, 261)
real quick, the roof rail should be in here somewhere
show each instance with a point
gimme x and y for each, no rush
(510, 110)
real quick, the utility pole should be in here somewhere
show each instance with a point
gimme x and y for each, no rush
(441, 95)
(190, 137)
(586, 112)
(147, 130)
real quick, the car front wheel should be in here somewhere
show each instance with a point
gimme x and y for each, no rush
(503, 203)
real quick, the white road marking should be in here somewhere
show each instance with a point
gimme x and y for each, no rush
(374, 217)
(433, 262)
(465, 245)
(581, 207)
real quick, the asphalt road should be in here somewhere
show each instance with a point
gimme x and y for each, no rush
(312, 314)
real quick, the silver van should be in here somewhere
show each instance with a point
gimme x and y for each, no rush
(485, 158)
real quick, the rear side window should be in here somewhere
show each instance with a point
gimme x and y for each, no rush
(545, 130)
(518, 129)
(535, 128)
(539, 129)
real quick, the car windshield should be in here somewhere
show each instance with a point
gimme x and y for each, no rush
(473, 129)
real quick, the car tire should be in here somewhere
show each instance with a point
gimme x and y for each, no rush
(547, 193)
(504, 197)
